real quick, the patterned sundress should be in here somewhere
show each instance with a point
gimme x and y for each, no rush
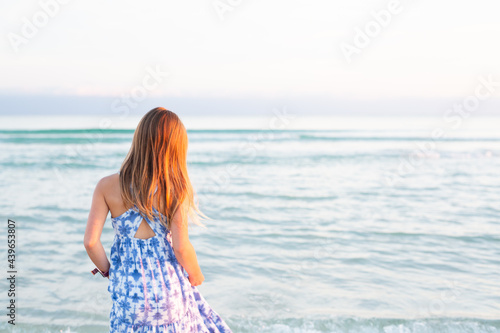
(149, 288)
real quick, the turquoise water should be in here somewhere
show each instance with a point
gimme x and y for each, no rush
(360, 228)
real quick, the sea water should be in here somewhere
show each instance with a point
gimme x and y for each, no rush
(318, 224)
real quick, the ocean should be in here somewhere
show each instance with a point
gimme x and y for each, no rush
(318, 224)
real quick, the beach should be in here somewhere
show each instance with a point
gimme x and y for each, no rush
(333, 224)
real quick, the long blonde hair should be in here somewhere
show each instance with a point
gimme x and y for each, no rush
(157, 163)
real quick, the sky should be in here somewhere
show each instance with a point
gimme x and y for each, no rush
(240, 56)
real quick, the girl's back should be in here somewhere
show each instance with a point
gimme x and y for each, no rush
(116, 206)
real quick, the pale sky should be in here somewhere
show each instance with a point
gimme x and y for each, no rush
(250, 49)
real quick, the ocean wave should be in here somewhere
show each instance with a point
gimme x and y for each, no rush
(303, 325)
(369, 325)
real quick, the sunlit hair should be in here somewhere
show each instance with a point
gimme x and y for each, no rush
(157, 162)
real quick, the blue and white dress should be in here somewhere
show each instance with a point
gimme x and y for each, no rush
(149, 288)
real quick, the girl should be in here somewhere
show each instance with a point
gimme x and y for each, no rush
(153, 271)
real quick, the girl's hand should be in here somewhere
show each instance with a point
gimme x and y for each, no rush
(196, 280)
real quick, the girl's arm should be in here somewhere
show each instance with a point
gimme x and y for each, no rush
(95, 223)
(183, 249)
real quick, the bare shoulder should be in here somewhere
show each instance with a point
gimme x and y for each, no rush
(109, 186)
(108, 183)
